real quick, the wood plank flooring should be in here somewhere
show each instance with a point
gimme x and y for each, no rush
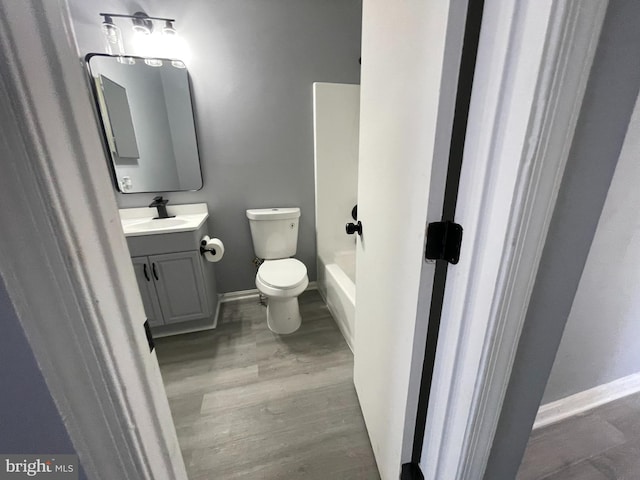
(250, 404)
(602, 444)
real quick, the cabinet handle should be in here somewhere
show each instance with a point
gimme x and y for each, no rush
(146, 274)
(155, 272)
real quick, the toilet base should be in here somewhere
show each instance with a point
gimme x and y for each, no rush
(283, 315)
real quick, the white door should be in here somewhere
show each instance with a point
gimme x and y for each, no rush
(407, 93)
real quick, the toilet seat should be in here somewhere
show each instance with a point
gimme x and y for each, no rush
(283, 274)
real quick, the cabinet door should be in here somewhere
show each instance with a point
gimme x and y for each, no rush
(180, 286)
(142, 267)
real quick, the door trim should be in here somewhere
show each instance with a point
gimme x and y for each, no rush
(64, 259)
(533, 65)
(468, 59)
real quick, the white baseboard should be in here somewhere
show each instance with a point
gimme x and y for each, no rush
(215, 319)
(253, 293)
(581, 402)
(239, 295)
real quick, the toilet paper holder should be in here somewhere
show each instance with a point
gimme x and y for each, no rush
(203, 250)
(212, 249)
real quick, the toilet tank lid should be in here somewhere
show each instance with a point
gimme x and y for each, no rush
(272, 213)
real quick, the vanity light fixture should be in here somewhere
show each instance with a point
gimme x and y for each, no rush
(143, 27)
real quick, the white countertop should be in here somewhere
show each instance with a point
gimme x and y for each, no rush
(140, 221)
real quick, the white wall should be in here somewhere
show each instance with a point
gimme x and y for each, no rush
(600, 342)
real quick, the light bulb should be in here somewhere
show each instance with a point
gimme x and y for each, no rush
(168, 29)
(142, 29)
(112, 37)
(113, 40)
(174, 45)
(142, 24)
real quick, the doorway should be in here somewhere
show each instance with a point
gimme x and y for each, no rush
(158, 452)
(91, 250)
(586, 392)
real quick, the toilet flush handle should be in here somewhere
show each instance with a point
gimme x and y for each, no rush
(353, 228)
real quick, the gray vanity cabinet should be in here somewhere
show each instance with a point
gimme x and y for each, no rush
(176, 284)
(172, 287)
(180, 285)
(142, 267)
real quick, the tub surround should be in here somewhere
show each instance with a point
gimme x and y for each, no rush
(339, 293)
(336, 114)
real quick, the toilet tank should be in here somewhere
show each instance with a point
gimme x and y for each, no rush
(274, 232)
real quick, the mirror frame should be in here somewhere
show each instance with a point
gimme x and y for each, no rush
(105, 145)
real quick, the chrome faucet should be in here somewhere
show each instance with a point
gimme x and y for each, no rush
(161, 205)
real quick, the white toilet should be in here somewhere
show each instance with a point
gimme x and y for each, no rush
(275, 239)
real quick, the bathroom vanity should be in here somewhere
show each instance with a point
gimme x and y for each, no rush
(176, 284)
(149, 134)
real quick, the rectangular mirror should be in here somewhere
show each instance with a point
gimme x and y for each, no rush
(148, 124)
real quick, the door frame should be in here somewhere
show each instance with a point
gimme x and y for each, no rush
(533, 64)
(93, 357)
(73, 286)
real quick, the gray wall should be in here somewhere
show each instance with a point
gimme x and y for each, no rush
(29, 420)
(252, 66)
(600, 340)
(610, 97)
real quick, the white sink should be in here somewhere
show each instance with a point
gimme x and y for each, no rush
(141, 221)
(159, 223)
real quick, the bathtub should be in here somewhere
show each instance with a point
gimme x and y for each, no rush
(336, 284)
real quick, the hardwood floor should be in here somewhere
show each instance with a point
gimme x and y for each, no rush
(603, 444)
(250, 404)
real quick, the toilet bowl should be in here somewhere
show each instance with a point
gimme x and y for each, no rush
(281, 281)
(281, 278)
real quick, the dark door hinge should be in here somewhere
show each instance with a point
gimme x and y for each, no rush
(443, 241)
(147, 331)
(411, 471)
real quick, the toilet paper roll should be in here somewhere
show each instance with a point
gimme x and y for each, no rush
(204, 240)
(214, 250)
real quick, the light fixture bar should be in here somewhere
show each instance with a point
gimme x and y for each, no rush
(121, 15)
